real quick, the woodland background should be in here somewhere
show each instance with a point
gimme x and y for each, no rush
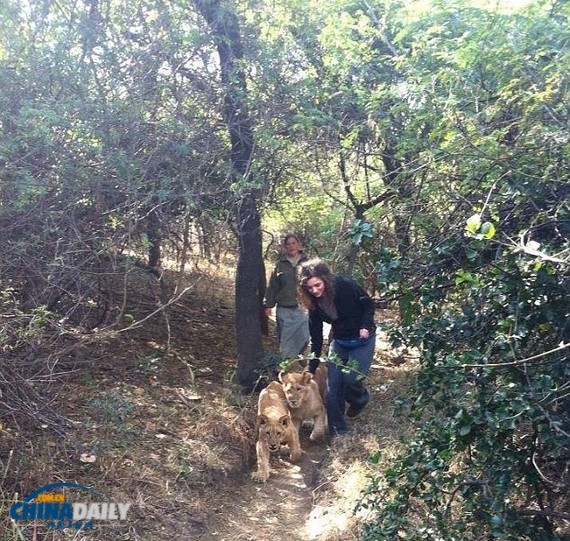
(421, 147)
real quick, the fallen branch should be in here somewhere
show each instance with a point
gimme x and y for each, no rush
(161, 308)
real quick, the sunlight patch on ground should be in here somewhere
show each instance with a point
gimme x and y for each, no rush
(325, 521)
(333, 519)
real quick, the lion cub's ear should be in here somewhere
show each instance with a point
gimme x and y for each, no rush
(307, 377)
(280, 376)
(284, 421)
(261, 419)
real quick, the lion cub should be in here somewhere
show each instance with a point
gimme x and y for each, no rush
(305, 401)
(274, 428)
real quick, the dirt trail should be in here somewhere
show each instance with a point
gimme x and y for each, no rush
(167, 430)
(272, 510)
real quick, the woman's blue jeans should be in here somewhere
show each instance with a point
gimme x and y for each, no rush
(345, 385)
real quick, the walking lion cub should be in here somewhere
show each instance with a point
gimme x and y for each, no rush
(274, 429)
(305, 399)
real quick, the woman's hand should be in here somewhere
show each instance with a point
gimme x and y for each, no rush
(364, 334)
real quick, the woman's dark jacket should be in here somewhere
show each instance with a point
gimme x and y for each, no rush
(355, 310)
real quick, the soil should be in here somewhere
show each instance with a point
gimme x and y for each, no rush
(278, 509)
(153, 418)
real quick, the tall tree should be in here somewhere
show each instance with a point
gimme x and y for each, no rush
(250, 277)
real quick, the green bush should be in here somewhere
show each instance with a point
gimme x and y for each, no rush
(489, 455)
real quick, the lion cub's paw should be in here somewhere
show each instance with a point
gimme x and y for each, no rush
(316, 436)
(295, 455)
(260, 476)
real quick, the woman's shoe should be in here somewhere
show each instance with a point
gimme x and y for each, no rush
(354, 411)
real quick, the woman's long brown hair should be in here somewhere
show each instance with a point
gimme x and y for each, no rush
(315, 268)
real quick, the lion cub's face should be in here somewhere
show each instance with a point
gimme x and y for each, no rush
(274, 433)
(296, 386)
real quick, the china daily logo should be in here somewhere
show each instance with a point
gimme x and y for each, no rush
(52, 507)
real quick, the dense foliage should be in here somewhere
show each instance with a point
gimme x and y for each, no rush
(484, 292)
(445, 130)
(420, 146)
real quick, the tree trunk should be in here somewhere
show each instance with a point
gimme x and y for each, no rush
(154, 240)
(250, 287)
(250, 278)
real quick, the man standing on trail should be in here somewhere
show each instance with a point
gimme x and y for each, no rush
(292, 322)
(350, 311)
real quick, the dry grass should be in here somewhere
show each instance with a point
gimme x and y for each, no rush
(155, 420)
(152, 419)
(162, 455)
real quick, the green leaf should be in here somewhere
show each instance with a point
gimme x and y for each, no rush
(473, 224)
(375, 457)
(488, 230)
(463, 276)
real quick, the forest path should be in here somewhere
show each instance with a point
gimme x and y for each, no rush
(169, 431)
(278, 509)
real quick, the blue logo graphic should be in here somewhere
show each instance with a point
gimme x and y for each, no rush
(44, 505)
